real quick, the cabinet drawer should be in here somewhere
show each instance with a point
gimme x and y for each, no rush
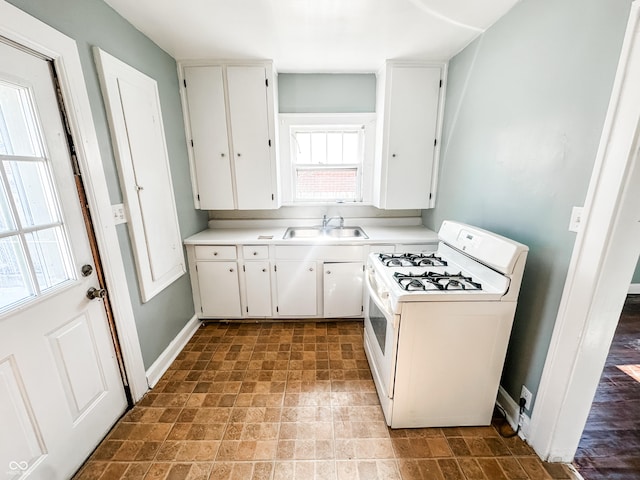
(216, 252)
(255, 252)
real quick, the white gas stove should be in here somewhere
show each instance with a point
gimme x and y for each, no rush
(437, 326)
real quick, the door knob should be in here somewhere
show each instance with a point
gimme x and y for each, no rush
(94, 293)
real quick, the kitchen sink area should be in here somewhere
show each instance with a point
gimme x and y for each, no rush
(320, 232)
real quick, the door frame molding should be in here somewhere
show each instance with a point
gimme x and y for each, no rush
(604, 257)
(23, 29)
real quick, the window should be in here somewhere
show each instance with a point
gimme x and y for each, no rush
(34, 251)
(326, 158)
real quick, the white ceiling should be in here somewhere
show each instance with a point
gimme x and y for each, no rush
(313, 35)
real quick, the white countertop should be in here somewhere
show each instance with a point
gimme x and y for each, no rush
(261, 235)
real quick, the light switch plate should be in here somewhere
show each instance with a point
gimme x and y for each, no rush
(576, 217)
(119, 215)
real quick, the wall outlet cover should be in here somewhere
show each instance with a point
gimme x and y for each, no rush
(528, 397)
(119, 215)
(576, 217)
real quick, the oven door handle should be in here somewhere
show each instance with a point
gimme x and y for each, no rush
(378, 296)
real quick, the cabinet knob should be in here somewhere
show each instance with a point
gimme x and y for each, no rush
(239, 155)
(231, 269)
(264, 269)
(255, 253)
(222, 154)
(215, 253)
(393, 155)
(328, 272)
(311, 269)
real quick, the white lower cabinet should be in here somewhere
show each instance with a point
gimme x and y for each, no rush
(278, 281)
(342, 289)
(257, 281)
(219, 289)
(296, 288)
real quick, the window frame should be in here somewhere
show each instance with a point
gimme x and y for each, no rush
(287, 173)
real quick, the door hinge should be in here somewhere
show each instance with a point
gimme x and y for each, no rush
(184, 80)
(266, 81)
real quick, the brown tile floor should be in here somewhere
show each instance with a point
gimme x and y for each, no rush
(290, 401)
(610, 444)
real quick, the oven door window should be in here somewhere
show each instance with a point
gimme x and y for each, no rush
(379, 325)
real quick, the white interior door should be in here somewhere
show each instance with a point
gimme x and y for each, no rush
(60, 388)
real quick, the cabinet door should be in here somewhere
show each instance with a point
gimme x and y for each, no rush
(296, 287)
(258, 284)
(249, 117)
(412, 126)
(342, 289)
(208, 122)
(219, 289)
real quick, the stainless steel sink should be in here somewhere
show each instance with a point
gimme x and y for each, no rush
(346, 232)
(327, 232)
(303, 232)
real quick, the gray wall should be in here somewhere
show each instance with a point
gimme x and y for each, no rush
(92, 22)
(524, 112)
(326, 93)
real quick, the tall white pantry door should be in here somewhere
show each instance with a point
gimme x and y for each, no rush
(60, 387)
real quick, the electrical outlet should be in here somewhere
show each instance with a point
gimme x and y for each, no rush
(528, 398)
(576, 217)
(118, 214)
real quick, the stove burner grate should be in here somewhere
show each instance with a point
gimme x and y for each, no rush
(435, 281)
(411, 260)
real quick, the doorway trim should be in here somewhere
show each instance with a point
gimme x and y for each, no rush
(602, 264)
(23, 29)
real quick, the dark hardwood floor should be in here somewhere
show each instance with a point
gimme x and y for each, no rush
(610, 445)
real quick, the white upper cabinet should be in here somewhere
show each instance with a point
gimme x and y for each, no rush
(211, 162)
(230, 123)
(409, 105)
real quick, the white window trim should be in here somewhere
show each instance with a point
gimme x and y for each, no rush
(287, 120)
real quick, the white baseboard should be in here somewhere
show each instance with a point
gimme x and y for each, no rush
(634, 289)
(157, 369)
(512, 411)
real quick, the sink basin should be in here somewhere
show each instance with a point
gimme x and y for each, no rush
(303, 232)
(319, 232)
(346, 232)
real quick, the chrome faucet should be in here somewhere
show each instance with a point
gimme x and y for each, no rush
(326, 221)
